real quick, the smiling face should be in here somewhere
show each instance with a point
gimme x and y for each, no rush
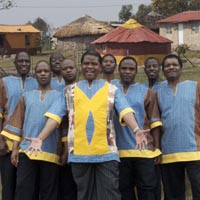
(91, 67)
(172, 69)
(55, 61)
(22, 63)
(69, 71)
(152, 69)
(43, 73)
(108, 64)
(127, 71)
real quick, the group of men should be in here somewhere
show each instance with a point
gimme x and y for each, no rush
(118, 136)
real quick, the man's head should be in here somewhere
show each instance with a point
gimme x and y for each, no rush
(43, 73)
(109, 64)
(55, 61)
(152, 68)
(128, 70)
(22, 63)
(91, 65)
(172, 67)
(69, 71)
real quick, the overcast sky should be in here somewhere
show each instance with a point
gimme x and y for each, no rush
(60, 12)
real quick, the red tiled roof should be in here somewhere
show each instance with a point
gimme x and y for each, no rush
(182, 17)
(126, 34)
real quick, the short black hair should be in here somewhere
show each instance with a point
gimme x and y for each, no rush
(172, 56)
(149, 58)
(111, 55)
(128, 58)
(40, 61)
(17, 55)
(92, 53)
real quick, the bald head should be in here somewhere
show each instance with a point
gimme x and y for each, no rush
(69, 71)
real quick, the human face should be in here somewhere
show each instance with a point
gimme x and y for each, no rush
(43, 74)
(55, 61)
(152, 69)
(69, 71)
(108, 65)
(127, 71)
(91, 67)
(22, 64)
(172, 69)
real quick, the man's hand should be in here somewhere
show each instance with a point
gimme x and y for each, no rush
(141, 140)
(3, 146)
(35, 146)
(15, 157)
(64, 155)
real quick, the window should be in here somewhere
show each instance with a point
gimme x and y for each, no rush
(195, 27)
(168, 28)
(27, 40)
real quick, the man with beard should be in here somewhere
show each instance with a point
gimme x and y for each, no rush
(11, 88)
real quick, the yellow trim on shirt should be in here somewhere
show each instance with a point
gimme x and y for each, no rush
(1, 116)
(124, 112)
(156, 124)
(11, 136)
(64, 139)
(139, 153)
(180, 157)
(53, 116)
(43, 156)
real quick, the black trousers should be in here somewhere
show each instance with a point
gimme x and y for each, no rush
(67, 186)
(97, 181)
(33, 175)
(139, 173)
(173, 175)
(8, 177)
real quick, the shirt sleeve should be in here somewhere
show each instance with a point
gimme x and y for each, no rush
(2, 97)
(14, 126)
(58, 109)
(121, 105)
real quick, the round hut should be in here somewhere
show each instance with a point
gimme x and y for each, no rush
(79, 34)
(133, 39)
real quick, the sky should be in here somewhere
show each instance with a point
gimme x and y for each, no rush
(61, 12)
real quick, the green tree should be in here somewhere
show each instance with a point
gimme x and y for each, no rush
(171, 7)
(125, 12)
(143, 10)
(6, 4)
(45, 29)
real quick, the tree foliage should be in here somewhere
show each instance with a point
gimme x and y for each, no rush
(125, 12)
(171, 7)
(143, 10)
(6, 4)
(45, 29)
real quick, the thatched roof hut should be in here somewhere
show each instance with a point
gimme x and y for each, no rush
(83, 26)
(78, 35)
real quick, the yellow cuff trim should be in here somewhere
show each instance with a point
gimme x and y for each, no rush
(1, 116)
(124, 112)
(11, 136)
(43, 156)
(156, 124)
(64, 139)
(139, 153)
(53, 116)
(180, 157)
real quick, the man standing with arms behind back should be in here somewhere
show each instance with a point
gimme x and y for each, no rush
(11, 88)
